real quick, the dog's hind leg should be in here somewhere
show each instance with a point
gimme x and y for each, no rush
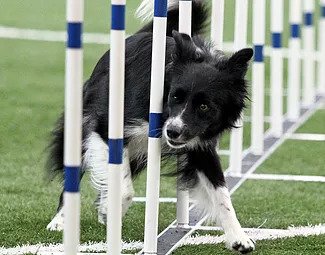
(212, 196)
(96, 158)
(56, 223)
(127, 192)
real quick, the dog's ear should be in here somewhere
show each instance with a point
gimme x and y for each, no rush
(238, 62)
(185, 49)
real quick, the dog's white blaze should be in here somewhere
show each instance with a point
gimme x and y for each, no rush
(216, 203)
(176, 121)
(96, 160)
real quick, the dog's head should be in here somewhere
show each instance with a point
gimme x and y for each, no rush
(207, 91)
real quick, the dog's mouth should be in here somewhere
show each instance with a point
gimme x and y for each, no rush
(175, 144)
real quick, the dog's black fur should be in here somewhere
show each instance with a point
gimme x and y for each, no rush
(202, 84)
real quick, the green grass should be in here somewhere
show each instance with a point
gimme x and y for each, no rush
(50, 15)
(288, 246)
(280, 203)
(316, 124)
(277, 205)
(296, 157)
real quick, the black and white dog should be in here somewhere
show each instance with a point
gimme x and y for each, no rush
(205, 93)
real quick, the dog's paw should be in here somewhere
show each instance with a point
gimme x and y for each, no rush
(241, 243)
(56, 223)
(102, 218)
(54, 226)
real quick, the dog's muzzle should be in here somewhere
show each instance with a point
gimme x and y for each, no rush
(173, 134)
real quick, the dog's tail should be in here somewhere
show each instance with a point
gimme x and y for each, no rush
(200, 14)
(54, 164)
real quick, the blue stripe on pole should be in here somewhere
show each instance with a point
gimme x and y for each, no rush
(118, 17)
(160, 8)
(276, 40)
(155, 125)
(74, 35)
(308, 18)
(71, 178)
(295, 30)
(258, 53)
(323, 11)
(115, 151)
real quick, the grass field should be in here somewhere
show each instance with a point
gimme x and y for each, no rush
(31, 98)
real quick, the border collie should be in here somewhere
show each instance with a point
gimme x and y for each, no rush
(205, 93)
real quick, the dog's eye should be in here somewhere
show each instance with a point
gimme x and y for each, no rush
(204, 107)
(178, 97)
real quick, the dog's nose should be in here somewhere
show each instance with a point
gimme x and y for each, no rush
(174, 132)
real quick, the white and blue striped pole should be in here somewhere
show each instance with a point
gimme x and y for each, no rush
(240, 41)
(185, 26)
(155, 126)
(321, 49)
(116, 126)
(294, 61)
(308, 32)
(73, 126)
(217, 23)
(276, 78)
(258, 78)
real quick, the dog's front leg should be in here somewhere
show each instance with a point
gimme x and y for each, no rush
(212, 196)
(215, 201)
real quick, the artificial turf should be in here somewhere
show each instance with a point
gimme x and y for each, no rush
(315, 125)
(296, 157)
(51, 15)
(288, 246)
(279, 204)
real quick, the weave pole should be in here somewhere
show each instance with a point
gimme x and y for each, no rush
(240, 41)
(308, 32)
(276, 77)
(115, 127)
(73, 126)
(185, 26)
(217, 23)
(294, 61)
(321, 48)
(155, 126)
(258, 78)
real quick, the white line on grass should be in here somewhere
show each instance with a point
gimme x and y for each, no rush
(98, 38)
(259, 234)
(307, 137)
(285, 177)
(49, 35)
(161, 199)
(42, 248)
